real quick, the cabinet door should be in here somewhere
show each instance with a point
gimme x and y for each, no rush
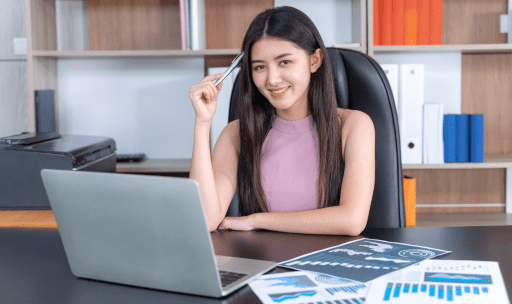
(13, 97)
(12, 14)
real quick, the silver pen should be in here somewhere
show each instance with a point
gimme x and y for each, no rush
(234, 63)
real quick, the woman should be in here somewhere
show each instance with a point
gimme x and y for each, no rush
(300, 163)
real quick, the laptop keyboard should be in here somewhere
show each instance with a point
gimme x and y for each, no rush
(227, 277)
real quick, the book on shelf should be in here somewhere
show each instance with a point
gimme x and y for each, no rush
(476, 138)
(408, 22)
(433, 150)
(398, 29)
(193, 26)
(463, 136)
(411, 22)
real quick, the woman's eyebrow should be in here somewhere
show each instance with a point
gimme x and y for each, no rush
(278, 57)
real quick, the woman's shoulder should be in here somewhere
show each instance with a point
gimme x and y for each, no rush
(352, 120)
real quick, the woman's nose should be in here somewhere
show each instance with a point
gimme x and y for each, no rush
(274, 76)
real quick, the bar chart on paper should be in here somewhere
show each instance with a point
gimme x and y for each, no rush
(307, 287)
(433, 292)
(442, 282)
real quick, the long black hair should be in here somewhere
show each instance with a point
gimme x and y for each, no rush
(256, 113)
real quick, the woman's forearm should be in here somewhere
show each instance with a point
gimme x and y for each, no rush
(201, 171)
(336, 220)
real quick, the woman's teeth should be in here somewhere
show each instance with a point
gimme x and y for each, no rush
(279, 91)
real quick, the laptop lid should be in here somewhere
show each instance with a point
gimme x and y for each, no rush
(138, 230)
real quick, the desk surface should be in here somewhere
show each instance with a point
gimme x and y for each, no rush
(34, 268)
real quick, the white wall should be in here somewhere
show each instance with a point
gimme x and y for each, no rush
(142, 104)
(332, 18)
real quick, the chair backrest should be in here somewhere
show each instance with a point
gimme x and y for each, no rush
(362, 85)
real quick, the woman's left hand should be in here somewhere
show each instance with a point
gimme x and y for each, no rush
(244, 223)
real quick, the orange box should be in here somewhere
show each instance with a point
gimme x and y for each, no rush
(410, 201)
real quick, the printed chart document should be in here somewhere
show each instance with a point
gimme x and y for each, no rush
(441, 281)
(362, 260)
(307, 287)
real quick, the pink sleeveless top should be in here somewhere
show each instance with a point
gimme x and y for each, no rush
(290, 164)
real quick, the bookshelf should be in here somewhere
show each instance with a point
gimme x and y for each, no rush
(472, 30)
(136, 32)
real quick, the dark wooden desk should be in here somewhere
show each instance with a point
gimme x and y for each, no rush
(34, 268)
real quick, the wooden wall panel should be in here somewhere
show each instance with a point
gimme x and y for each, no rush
(228, 20)
(43, 25)
(134, 24)
(486, 88)
(217, 61)
(473, 22)
(459, 186)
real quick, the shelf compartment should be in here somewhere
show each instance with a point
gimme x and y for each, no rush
(491, 161)
(463, 48)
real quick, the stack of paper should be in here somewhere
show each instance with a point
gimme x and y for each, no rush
(374, 271)
(441, 281)
(433, 149)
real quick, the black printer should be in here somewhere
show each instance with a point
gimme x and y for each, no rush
(23, 156)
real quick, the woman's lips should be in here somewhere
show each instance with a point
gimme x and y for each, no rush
(279, 94)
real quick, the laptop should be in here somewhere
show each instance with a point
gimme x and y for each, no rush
(145, 231)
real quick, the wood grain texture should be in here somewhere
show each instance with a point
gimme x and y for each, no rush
(27, 218)
(134, 24)
(473, 22)
(43, 25)
(217, 61)
(459, 186)
(486, 81)
(228, 20)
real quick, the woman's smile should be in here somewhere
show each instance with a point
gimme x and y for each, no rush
(279, 93)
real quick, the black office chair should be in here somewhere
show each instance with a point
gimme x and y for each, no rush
(362, 85)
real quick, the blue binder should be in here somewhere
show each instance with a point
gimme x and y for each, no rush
(476, 139)
(449, 136)
(462, 138)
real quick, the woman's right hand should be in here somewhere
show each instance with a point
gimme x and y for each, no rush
(204, 98)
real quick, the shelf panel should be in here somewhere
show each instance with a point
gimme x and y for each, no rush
(183, 165)
(491, 161)
(156, 53)
(133, 54)
(156, 166)
(464, 48)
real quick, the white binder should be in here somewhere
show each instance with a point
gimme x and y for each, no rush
(220, 119)
(391, 71)
(433, 148)
(411, 112)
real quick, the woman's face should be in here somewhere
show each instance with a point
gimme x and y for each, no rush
(281, 71)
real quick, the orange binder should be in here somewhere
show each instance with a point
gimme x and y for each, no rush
(398, 22)
(410, 201)
(386, 8)
(411, 22)
(376, 23)
(436, 21)
(423, 22)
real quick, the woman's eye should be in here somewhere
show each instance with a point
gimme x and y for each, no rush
(257, 67)
(286, 61)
